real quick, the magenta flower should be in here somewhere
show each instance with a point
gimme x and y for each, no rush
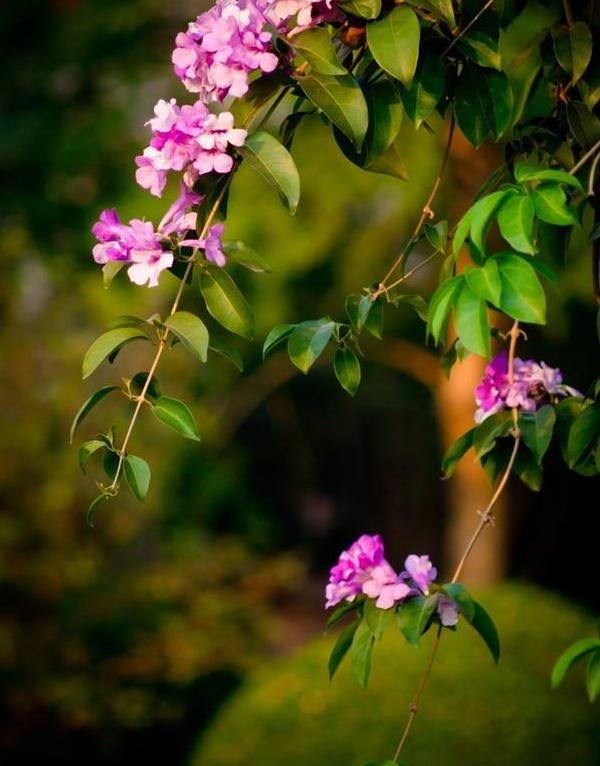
(354, 568)
(534, 384)
(186, 138)
(420, 571)
(221, 48)
(212, 244)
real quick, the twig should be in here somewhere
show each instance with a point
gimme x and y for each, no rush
(590, 153)
(468, 26)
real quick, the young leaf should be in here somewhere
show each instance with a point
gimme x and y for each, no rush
(573, 48)
(274, 163)
(137, 474)
(472, 322)
(87, 449)
(493, 427)
(177, 416)
(485, 281)
(456, 451)
(240, 253)
(394, 42)
(515, 219)
(358, 308)
(225, 302)
(341, 647)
(536, 430)
(550, 203)
(341, 100)
(484, 625)
(361, 650)
(570, 656)
(316, 47)
(525, 172)
(94, 507)
(482, 215)
(307, 342)
(276, 336)
(107, 345)
(87, 406)
(347, 370)
(440, 305)
(377, 619)
(374, 321)
(593, 676)
(191, 331)
(426, 90)
(522, 294)
(437, 235)
(363, 9)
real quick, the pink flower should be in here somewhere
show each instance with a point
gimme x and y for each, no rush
(221, 48)
(212, 244)
(420, 571)
(189, 139)
(385, 585)
(354, 568)
(447, 612)
(299, 14)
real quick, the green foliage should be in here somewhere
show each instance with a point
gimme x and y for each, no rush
(268, 157)
(316, 47)
(177, 416)
(225, 301)
(191, 331)
(108, 346)
(394, 43)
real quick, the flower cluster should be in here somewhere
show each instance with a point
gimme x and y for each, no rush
(534, 384)
(221, 48)
(363, 569)
(186, 138)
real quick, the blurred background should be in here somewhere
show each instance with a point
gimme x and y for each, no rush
(155, 635)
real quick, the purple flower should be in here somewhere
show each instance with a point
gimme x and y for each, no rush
(179, 219)
(420, 571)
(135, 243)
(355, 567)
(212, 244)
(534, 384)
(221, 48)
(385, 585)
(186, 138)
(447, 611)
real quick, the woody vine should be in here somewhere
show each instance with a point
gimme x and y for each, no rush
(526, 74)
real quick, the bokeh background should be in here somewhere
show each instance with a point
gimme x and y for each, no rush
(187, 630)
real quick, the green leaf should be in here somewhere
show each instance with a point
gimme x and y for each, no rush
(480, 43)
(537, 429)
(358, 308)
(317, 48)
(408, 617)
(584, 125)
(225, 302)
(416, 302)
(307, 342)
(224, 349)
(246, 256)
(338, 614)
(515, 219)
(593, 676)
(347, 370)
(137, 474)
(137, 383)
(485, 281)
(94, 507)
(276, 336)
(529, 470)
(87, 449)
(427, 612)
(441, 9)
(361, 651)
(525, 172)
(341, 647)
(374, 322)
(177, 416)
(394, 42)
(107, 345)
(377, 619)
(462, 598)
(522, 294)
(110, 271)
(483, 104)
(571, 655)
(426, 90)
(493, 427)
(260, 92)
(89, 405)
(550, 203)
(274, 163)
(191, 331)
(583, 434)
(573, 48)
(472, 322)
(440, 305)
(363, 9)
(341, 100)
(480, 218)
(437, 235)
(484, 625)
(456, 451)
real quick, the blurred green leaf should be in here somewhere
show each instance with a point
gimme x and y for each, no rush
(89, 405)
(573, 48)
(347, 370)
(87, 449)
(317, 48)
(456, 451)
(246, 256)
(307, 342)
(225, 302)
(570, 656)
(341, 647)
(277, 335)
(361, 651)
(272, 160)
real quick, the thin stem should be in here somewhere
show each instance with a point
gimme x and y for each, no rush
(568, 12)
(416, 268)
(413, 708)
(426, 213)
(468, 26)
(588, 155)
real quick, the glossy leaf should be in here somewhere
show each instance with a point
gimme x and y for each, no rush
(485, 281)
(426, 89)
(456, 452)
(492, 428)
(515, 220)
(483, 104)
(484, 625)
(107, 345)
(583, 434)
(537, 429)
(177, 416)
(443, 10)
(89, 405)
(480, 42)
(358, 308)
(347, 370)
(374, 322)
(87, 449)
(316, 47)
(191, 331)
(394, 42)
(525, 172)
(440, 306)
(437, 235)
(225, 302)
(522, 294)
(573, 48)
(377, 619)
(341, 100)
(137, 475)
(308, 341)
(93, 507)
(276, 336)
(361, 651)
(408, 618)
(274, 163)
(550, 203)
(472, 322)
(575, 652)
(476, 223)
(341, 647)
(363, 9)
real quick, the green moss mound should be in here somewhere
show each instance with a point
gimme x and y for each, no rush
(473, 713)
